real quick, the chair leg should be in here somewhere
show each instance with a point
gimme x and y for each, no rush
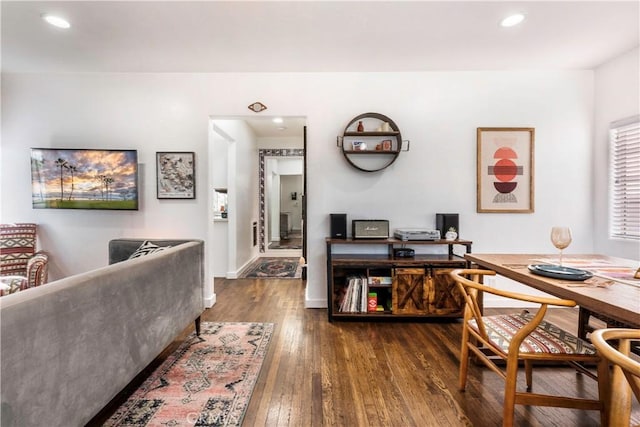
(464, 359)
(528, 370)
(510, 392)
(604, 390)
(583, 323)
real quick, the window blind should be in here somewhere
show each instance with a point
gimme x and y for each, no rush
(624, 179)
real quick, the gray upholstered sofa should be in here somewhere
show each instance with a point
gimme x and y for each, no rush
(69, 347)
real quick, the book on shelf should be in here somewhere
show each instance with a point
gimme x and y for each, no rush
(356, 295)
(380, 280)
(372, 302)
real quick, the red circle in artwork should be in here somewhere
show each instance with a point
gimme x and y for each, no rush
(505, 153)
(505, 170)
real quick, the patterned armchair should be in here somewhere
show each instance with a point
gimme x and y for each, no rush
(21, 267)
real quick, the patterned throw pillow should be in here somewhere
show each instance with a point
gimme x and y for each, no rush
(147, 248)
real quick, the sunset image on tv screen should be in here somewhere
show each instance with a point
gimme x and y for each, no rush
(84, 179)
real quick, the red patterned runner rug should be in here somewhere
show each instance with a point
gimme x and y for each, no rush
(207, 381)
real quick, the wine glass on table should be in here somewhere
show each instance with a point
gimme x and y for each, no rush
(561, 238)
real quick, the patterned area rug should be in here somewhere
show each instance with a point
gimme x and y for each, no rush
(281, 268)
(208, 381)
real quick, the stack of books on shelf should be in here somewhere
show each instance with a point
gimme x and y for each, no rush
(355, 298)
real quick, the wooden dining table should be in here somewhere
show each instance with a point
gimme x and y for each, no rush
(610, 294)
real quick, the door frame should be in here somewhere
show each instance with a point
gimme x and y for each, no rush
(263, 154)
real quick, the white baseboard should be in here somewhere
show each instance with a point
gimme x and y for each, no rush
(315, 303)
(210, 301)
(236, 274)
(283, 253)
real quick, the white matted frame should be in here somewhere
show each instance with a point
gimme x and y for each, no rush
(505, 170)
(176, 175)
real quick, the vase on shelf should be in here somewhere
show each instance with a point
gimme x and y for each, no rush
(452, 234)
(360, 126)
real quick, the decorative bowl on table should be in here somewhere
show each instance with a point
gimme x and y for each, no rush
(560, 272)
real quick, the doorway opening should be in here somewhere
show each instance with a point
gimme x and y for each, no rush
(258, 185)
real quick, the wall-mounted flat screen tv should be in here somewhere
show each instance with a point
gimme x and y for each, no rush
(63, 178)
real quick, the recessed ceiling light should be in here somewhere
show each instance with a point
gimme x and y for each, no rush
(512, 20)
(277, 120)
(56, 21)
(282, 128)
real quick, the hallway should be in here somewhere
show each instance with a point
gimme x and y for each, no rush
(293, 241)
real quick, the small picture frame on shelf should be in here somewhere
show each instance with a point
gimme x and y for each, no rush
(386, 145)
(175, 175)
(358, 146)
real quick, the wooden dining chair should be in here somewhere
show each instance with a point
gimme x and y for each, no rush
(625, 374)
(525, 337)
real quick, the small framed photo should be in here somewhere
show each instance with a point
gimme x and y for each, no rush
(176, 175)
(359, 145)
(505, 170)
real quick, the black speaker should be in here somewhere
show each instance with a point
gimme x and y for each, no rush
(444, 221)
(338, 226)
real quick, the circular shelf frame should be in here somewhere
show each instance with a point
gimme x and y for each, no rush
(352, 155)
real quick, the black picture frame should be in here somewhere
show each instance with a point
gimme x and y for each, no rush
(176, 175)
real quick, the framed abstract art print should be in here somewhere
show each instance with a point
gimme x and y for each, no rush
(505, 170)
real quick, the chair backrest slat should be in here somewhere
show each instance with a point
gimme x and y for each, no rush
(620, 357)
(472, 309)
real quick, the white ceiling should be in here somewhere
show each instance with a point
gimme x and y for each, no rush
(264, 127)
(314, 36)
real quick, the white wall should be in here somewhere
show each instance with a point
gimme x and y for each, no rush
(272, 199)
(292, 184)
(242, 179)
(617, 94)
(246, 192)
(218, 166)
(438, 111)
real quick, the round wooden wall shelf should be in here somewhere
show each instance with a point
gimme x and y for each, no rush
(371, 142)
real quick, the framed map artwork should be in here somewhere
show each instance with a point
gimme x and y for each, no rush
(176, 175)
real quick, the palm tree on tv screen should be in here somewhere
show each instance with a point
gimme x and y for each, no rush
(101, 178)
(72, 169)
(108, 180)
(61, 163)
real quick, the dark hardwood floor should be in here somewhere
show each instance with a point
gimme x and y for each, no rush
(319, 373)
